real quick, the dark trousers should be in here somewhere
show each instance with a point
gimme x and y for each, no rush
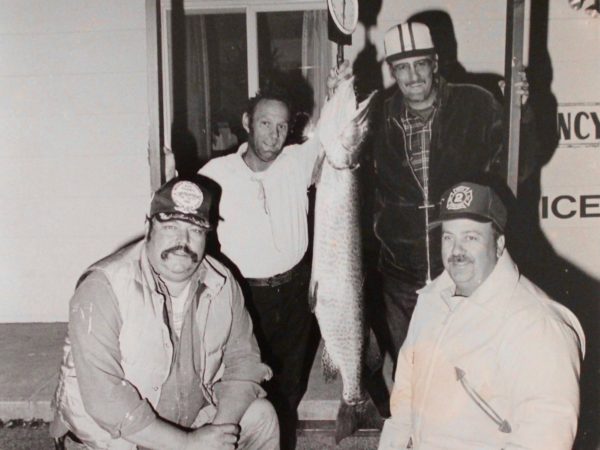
(283, 324)
(399, 300)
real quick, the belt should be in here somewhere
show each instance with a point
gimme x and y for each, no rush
(280, 278)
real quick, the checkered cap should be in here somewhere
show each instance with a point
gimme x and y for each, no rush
(407, 40)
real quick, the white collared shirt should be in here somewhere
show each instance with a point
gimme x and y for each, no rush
(263, 227)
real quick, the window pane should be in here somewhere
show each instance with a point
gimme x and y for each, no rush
(228, 69)
(279, 42)
(209, 85)
(286, 57)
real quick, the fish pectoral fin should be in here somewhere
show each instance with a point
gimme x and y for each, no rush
(312, 295)
(330, 371)
(373, 357)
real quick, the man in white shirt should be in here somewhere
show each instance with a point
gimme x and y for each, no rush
(264, 232)
(490, 362)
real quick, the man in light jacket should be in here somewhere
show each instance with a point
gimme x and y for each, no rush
(160, 352)
(490, 362)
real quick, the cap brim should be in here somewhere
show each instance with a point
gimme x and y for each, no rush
(463, 215)
(410, 54)
(195, 220)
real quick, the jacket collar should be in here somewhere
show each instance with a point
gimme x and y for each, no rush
(243, 148)
(498, 286)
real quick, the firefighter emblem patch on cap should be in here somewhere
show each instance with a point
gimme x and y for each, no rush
(187, 197)
(460, 198)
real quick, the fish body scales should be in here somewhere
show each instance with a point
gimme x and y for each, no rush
(337, 271)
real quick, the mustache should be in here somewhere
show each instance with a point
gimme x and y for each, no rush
(191, 253)
(459, 259)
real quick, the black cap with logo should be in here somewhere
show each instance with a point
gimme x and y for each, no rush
(182, 199)
(472, 201)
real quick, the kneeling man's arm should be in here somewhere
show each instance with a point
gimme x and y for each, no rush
(243, 371)
(94, 327)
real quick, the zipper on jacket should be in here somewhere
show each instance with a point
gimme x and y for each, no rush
(503, 424)
(424, 191)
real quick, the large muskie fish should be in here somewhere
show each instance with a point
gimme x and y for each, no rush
(336, 286)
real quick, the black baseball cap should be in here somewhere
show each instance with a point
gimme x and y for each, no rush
(182, 199)
(472, 201)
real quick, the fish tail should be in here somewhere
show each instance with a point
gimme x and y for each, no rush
(349, 418)
(330, 371)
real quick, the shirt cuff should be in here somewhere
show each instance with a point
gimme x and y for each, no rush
(393, 437)
(135, 420)
(242, 391)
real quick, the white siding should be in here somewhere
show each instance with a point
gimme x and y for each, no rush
(74, 131)
(73, 138)
(573, 42)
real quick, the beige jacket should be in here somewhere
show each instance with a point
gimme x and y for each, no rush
(227, 357)
(496, 370)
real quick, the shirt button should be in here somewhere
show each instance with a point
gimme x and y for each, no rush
(155, 388)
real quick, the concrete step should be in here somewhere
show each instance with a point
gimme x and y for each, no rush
(320, 434)
(31, 355)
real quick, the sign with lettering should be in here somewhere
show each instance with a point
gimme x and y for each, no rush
(569, 205)
(579, 124)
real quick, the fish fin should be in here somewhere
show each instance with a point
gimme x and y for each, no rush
(330, 372)
(318, 167)
(364, 108)
(312, 295)
(349, 417)
(373, 356)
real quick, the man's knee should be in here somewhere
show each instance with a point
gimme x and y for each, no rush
(259, 413)
(260, 428)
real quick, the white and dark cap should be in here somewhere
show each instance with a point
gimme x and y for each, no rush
(407, 40)
(183, 199)
(472, 201)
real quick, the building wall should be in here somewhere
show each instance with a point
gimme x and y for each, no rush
(73, 138)
(74, 132)
(570, 208)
